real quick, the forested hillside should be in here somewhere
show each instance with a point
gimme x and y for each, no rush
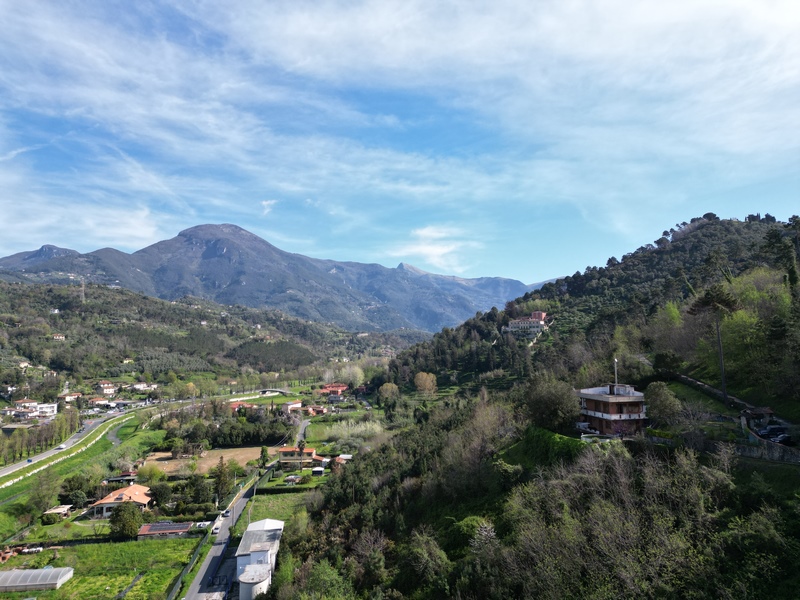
(475, 498)
(648, 303)
(114, 332)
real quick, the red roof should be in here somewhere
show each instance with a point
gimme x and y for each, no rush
(310, 451)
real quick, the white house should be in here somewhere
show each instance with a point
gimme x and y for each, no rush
(47, 411)
(255, 557)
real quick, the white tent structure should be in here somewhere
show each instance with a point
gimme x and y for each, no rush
(24, 580)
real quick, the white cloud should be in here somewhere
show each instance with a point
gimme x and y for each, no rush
(267, 206)
(613, 109)
(440, 246)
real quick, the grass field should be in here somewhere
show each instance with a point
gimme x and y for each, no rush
(105, 570)
(281, 507)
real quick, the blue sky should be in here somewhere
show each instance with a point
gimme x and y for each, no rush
(525, 139)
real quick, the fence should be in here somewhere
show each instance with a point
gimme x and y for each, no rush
(173, 593)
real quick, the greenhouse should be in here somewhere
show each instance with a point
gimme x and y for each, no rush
(34, 579)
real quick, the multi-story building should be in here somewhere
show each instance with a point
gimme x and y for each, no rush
(613, 409)
(293, 458)
(527, 327)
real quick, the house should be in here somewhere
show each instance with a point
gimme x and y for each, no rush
(614, 409)
(288, 407)
(527, 327)
(255, 557)
(126, 477)
(235, 406)
(333, 389)
(335, 399)
(139, 494)
(758, 416)
(292, 458)
(46, 411)
(315, 410)
(141, 386)
(69, 397)
(97, 402)
(25, 403)
(59, 337)
(106, 388)
(163, 529)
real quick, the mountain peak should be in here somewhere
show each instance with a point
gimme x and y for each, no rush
(211, 231)
(411, 269)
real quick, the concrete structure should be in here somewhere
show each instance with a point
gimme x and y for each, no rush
(255, 557)
(614, 409)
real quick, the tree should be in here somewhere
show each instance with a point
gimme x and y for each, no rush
(161, 493)
(720, 303)
(663, 406)
(44, 492)
(388, 391)
(222, 480)
(263, 459)
(425, 383)
(150, 474)
(125, 521)
(551, 403)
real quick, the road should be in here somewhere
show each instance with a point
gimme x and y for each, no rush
(88, 426)
(215, 574)
(301, 433)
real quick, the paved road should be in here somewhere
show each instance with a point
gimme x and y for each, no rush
(89, 425)
(216, 575)
(301, 434)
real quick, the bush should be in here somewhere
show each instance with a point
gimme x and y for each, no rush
(50, 519)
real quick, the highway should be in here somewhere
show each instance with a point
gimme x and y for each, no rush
(89, 425)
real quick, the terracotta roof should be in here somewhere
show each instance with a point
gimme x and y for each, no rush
(132, 493)
(310, 451)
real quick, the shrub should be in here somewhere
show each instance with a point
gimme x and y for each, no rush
(50, 519)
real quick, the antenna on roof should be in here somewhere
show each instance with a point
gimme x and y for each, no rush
(615, 371)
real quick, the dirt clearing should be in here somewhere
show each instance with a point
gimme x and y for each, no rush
(171, 466)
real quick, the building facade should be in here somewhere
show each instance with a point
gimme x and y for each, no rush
(613, 409)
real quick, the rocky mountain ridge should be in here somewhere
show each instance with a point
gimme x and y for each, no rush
(230, 265)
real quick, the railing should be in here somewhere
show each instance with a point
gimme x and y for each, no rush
(610, 417)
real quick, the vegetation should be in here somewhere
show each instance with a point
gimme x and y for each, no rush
(469, 481)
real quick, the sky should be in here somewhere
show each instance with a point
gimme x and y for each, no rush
(526, 139)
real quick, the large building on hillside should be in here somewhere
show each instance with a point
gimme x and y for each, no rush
(613, 409)
(527, 327)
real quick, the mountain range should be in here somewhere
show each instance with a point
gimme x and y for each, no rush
(230, 265)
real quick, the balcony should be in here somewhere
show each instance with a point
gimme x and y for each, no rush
(609, 417)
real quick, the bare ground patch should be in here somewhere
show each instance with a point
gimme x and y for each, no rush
(170, 466)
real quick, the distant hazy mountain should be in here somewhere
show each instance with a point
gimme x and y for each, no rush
(229, 265)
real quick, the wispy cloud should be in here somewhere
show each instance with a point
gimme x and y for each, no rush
(394, 114)
(267, 206)
(440, 246)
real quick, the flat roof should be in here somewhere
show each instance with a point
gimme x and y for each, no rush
(261, 536)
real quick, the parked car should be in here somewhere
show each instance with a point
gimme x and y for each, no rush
(771, 431)
(215, 530)
(227, 513)
(783, 438)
